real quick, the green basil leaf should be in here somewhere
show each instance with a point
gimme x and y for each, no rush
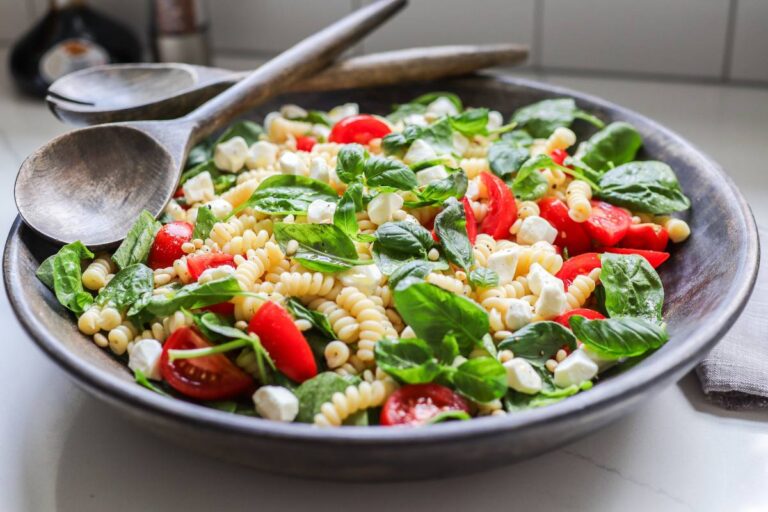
(204, 223)
(224, 182)
(191, 296)
(197, 155)
(350, 162)
(433, 312)
(530, 184)
(482, 379)
(647, 187)
(439, 135)
(351, 202)
(426, 99)
(414, 268)
(404, 237)
(505, 158)
(216, 328)
(451, 229)
(409, 360)
(483, 277)
(401, 112)
(444, 416)
(542, 118)
(322, 247)
(614, 145)
(130, 285)
(437, 192)
(518, 138)
(248, 130)
(632, 287)
(66, 271)
(398, 142)
(313, 393)
(205, 166)
(314, 117)
(539, 341)
(287, 194)
(447, 349)
(471, 122)
(135, 248)
(318, 320)
(385, 172)
(618, 337)
(515, 401)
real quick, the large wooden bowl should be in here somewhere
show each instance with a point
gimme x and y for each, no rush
(707, 283)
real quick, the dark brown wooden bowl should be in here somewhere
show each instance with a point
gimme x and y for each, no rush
(707, 283)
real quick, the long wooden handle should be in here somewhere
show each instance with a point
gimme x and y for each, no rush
(301, 60)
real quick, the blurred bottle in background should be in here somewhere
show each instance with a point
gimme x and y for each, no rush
(71, 36)
(179, 31)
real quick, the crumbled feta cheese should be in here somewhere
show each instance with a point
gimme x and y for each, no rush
(291, 163)
(419, 151)
(495, 120)
(575, 369)
(460, 143)
(199, 188)
(504, 263)
(519, 314)
(534, 229)
(215, 273)
(338, 113)
(145, 357)
(522, 377)
(383, 206)
(320, 212)
(603, 363)
(290, 111)
(230, 155)
(220, 208)
(261, 155)
(430, 174)
(442, 106)
(407, 333)
(363, 277)
(415, 119)
(276, 403)
(318, 169)
(551, 302)
(538, 277)
(321, 131)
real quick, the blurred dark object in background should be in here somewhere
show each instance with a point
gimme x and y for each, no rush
(71, 36)
(179, 31)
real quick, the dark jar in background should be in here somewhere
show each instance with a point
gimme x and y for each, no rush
(179, 31)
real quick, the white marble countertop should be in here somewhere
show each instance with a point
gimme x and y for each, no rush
(62, 450)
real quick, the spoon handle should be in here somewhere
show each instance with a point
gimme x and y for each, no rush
(299, 61)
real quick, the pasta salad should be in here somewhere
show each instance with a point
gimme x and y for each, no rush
(338, 268)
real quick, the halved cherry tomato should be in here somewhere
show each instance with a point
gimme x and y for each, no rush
(607, 224)
(647, 236)
(558, 156)
(305, 143)
(570, 234)
(416, 404)
(205, 378)
(471, 222)
(167, 245)
(199, 263)
(360, 129)
(284, 342)
(223, 308)
(655, 258)
(502, 210)
(179, 193)
(589, 314)
(578, 265)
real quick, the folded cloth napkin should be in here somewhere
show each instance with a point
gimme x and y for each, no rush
(734, 374)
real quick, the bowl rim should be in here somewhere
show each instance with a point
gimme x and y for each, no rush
(677, 358)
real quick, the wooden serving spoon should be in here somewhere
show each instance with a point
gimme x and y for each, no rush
(132, 92)
(91, 184)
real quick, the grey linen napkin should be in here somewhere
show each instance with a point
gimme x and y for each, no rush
(734, 374)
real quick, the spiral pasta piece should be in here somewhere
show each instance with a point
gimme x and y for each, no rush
(552, 262)
(344, 325)
(678, 229)
(581, 288)
(372, 321)
(95, 275)
(527, 209)
(355, 398)
(577, 197)
(297, 284)
(447, 283)
(474, 166)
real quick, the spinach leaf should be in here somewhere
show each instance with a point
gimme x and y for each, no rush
(45, 271)
(191, 296)
(385, 172)
(351, 202)
(398, 142)
(451, 229)
(539, 341)
(248, 130)
(198, 154)
(632, 287)
(614, 145)
(529, 184)
(444, 416)
(129, 286)
(506, 157)
(405, 237)
(414, 268)
(350, 162)
(66, 272)
(313, 393)
(314, 117)
(647, 187)
(482, 379)
(439, 135)
(322, 247)
(287, 194)
(437, 192)
(215, 327)
(518, 138)
(205, 166)
(135, 248)
(473, 121)
(401, 112)
(515, 401)
(542, 118)
(408, 360)
(433, 312)
(204, 223)
(618, 337)
(426, 99)
(318, 320)
(483, 277)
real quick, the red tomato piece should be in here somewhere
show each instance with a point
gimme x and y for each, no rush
(360, 129)
(224, 309)
(578, 265)
(305, 143)
(283, 340)
(502, 210)
(199, 263)
(471, 222)
(179, 193)
(570, 234)
(655, 258)
(415, 404)
(211, 377)
(589, 314)
(167, 245)
(647, 236)
(607, 224)
(558, 156)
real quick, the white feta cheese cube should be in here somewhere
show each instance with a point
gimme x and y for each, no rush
(216, 273)
(338, 113)
(538, 277)
(276, 403)
(519, 314)
(220, 208)
(419, 151)
(522, 377)
(261, 155)
(460, 143)
(415, 119)
(318, 170)
(544, 246)
(495, 120)
(430, 174)
(321, 131)
(575, 369)
(504, 263)
(603, 363)
(363, 277)
(535, 229)
(269, 119)
(230, 155)
(551, 302)
(199, 188)
(291, 163)
(320, 212)
(145, 357)
(442, 106)
(407, 333)
(383, 206)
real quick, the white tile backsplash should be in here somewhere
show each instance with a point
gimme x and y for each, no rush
(680, 37)
(750, 44)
